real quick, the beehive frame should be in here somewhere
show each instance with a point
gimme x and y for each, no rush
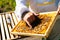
(47, 31)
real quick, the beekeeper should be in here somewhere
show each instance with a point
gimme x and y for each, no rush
(35, 7)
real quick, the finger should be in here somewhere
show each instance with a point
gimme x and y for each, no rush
(36, 14)
(58, 11)
(29, 24)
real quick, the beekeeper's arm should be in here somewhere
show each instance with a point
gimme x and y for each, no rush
(20, 8)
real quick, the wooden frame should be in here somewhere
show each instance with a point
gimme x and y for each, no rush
(46, 34)
(7, 21)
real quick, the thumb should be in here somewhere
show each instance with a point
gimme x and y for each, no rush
(58, 11)
(29, 24)
(36, 14)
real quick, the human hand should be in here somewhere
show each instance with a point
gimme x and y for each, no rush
(29, 18)
(58, 11)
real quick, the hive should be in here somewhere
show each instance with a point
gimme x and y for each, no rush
(7, 21)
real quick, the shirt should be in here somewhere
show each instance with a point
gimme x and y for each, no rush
(35, 6)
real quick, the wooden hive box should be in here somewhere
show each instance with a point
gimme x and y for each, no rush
(7, 21)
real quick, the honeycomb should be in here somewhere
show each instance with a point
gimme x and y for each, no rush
(39, 29)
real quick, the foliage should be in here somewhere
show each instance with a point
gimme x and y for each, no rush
(7, 5)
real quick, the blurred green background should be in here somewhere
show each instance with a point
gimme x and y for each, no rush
(7, 5)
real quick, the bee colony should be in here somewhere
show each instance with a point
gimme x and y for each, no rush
(39, 29)
(44, 27)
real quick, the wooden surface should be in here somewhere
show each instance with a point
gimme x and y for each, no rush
(7, 21)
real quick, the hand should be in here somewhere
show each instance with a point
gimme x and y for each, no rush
(58, 11)
(29, 18)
